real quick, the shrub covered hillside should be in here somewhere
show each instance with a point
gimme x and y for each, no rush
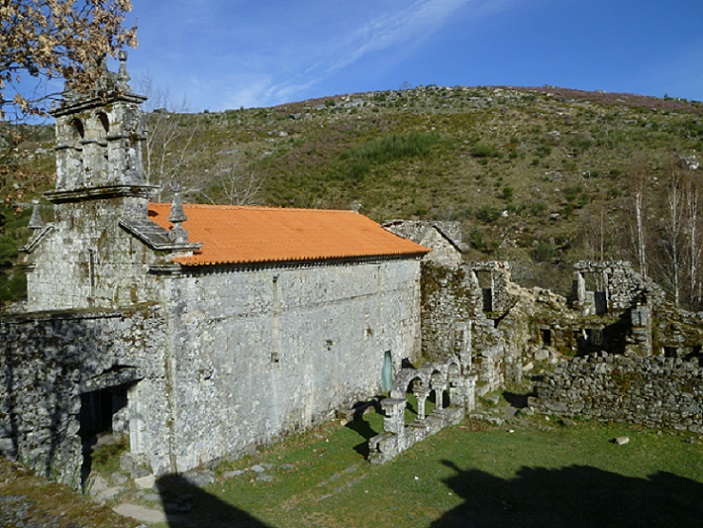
(540, 177)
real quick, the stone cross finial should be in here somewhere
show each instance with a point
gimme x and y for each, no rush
(36, 221)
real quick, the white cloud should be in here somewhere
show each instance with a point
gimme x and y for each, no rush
(274, 53)
(408, 26)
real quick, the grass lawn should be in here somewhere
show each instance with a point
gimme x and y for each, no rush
(543, 473)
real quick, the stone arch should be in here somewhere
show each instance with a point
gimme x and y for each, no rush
(76, 129)
(405, 377)
(438, 385)
(104, 122)
(419, 389)
(95, 155)
(69, 153)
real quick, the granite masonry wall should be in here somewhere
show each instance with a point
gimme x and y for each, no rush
(611, 286)
(653, 391)
(259, 353)
(51, 364)
(94, 262)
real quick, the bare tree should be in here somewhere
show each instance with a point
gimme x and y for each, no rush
(637, 178)
(236, 187)
(691, 195)
(168, 146)
(673, 231)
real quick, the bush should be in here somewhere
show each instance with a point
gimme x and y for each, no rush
(483, 150)
(358, 161)
(538, 208)
(508, 193)
(543, 151)
(487, 214)
(542, 252)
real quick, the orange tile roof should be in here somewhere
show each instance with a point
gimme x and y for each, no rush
(245, 234)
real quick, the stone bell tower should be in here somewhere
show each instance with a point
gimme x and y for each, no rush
(83, 257)
(99, 140)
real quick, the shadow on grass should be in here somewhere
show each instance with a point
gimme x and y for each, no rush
(186, 504)
(362, 426)
(575, 496)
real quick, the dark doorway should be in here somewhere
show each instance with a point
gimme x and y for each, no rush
(96, 421)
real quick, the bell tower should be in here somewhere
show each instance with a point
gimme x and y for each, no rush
(99, 141)
(84, 256)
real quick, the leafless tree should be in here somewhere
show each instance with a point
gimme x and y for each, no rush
(638, 184)
(236, 186)
(168, 148)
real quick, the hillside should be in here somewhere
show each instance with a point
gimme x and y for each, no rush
(541, 177)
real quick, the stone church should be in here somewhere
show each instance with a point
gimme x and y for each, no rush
(199, 331)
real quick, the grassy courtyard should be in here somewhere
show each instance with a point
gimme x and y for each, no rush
(528, 473)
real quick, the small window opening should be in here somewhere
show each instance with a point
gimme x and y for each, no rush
(546, 334)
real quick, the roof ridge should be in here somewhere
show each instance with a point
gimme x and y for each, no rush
(256, 207)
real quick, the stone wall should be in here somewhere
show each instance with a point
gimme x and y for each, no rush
(259, 353)
(443, 238)
(48, 362)
(652, 391)
(493, 277)
(456, 324)
(84, 259)
(611, 286)
(449, 302)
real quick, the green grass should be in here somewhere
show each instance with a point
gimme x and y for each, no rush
(542, 474)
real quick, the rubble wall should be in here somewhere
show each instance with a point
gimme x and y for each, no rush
(449, 301)
(652, 391)
(47, 361)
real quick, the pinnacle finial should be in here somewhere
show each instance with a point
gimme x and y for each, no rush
(123, 75)
(36, 221)
(177, 217)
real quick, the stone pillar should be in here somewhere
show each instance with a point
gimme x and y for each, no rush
(439, 397)
(470, 396)
(462, 344)
(640, 338)
(421, 395)
(394, 410)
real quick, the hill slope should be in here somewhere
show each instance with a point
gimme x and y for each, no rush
(539, 176)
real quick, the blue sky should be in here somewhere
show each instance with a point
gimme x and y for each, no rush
(223, 54)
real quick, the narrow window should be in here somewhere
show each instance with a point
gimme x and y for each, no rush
(91, 271)
(546, 336)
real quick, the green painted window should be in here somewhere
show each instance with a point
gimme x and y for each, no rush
(387, 372)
